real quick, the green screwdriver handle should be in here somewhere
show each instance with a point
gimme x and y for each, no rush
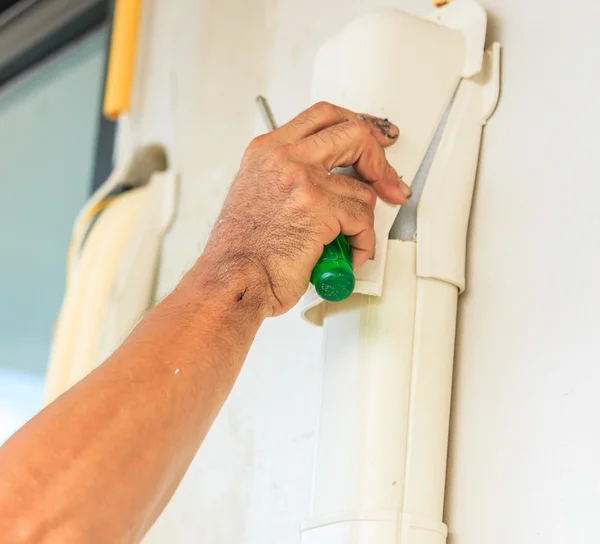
(333, 275)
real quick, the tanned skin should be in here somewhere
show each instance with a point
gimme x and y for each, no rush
(100, 463)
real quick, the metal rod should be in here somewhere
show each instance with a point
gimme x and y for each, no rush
(267, 114)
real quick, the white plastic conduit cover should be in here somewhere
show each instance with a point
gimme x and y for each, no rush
(380, 463)
(412, 84)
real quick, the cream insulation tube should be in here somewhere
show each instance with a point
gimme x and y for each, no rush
(113, 282)
(380, 462)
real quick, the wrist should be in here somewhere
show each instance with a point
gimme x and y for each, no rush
(232, 284)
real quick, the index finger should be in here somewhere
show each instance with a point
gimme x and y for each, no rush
(323, 115)
(354, 144)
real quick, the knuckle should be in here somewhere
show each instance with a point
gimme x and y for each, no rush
(277, 159)
(323, 108)
(279, 155)
(359, 211)
(308, 196)
(257, 143)
(296, 171)
(368, 195)
(362, 128)
(364, 213)
(291, 175)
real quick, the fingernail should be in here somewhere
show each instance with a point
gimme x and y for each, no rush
(387, 128)
(406, 190)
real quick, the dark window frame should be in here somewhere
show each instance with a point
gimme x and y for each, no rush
(32, 31)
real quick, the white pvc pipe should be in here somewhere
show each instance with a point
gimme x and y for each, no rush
(381, 456)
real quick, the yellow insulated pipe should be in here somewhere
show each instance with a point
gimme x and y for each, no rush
(121, 66)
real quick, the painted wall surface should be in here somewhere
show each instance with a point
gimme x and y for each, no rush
(48, 127)
(525, 442)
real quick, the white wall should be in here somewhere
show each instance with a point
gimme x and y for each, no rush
(525, 438)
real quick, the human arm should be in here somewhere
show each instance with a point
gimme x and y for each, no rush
(101, 462)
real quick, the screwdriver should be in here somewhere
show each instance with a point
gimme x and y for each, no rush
(333, 275)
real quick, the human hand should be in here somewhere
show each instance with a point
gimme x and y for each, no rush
(285, 204)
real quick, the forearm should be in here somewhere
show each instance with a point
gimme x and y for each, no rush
(102, 461)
